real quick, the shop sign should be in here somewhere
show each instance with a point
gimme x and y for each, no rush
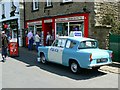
(34, 23)
(70, 19)
(75, 34)
(48, 21)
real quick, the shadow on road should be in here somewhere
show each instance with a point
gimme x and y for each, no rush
(29, 57)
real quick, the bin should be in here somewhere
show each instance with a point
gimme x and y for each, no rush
(26, 43)
(13, 47)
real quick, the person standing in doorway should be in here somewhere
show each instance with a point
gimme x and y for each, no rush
(48, 39)
(37, 40)
(30, 40)
(4, 41)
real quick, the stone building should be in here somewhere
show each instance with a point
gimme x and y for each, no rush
(62, 17)
(58, 17)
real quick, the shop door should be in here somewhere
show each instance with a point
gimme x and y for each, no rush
(48, 28)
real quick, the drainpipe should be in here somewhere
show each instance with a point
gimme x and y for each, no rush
(24, 38)
(24, 13)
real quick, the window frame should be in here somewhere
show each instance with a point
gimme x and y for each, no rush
(57, 40)
(65, 1)
(79, 47)
(47, 3)
(3, 11)
(71, 41)
(34, 3)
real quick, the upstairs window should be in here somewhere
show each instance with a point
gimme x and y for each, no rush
(3, 8)
(3, 11)
(35, 5)
(48, 3)
(12, 8)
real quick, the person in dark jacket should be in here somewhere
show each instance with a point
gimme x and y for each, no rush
(4, 41)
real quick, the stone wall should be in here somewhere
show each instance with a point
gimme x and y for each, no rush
(101, 33)
(96, 29)
(57, 9)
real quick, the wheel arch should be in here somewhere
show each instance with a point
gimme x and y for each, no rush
(73, 60)
(42, 53)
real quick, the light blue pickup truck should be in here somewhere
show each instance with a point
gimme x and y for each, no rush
(76, 53)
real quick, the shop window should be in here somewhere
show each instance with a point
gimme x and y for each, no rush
(62, 29)
(39, 29)
(31, 28)
(35, 5)
(77, 26)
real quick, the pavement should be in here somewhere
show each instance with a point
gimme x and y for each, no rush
(113, 68)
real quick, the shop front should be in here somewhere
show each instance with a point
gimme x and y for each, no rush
(60, 25)
(34, 26)
(11, 28)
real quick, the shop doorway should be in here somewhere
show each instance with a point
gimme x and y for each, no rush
(48, 28)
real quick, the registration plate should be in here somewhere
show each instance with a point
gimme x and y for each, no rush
(102, 60)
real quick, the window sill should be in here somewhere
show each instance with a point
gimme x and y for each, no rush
(64, 3)
(3, 16)
(48, 7)
(35, 10)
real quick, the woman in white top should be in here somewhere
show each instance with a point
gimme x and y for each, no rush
(37, 40)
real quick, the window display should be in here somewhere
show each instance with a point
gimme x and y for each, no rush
(64, 28)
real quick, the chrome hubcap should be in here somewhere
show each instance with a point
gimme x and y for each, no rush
(43, 59)
(74, 67)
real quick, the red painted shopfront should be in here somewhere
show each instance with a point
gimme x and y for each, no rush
(61, 25)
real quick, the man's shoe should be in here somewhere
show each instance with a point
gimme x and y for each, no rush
(3, 61)
(3, 57)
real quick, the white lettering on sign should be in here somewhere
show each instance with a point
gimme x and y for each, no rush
(70, 18)
(34, 23)
(48, 21)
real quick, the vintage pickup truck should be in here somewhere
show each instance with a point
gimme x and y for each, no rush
(76, 53)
